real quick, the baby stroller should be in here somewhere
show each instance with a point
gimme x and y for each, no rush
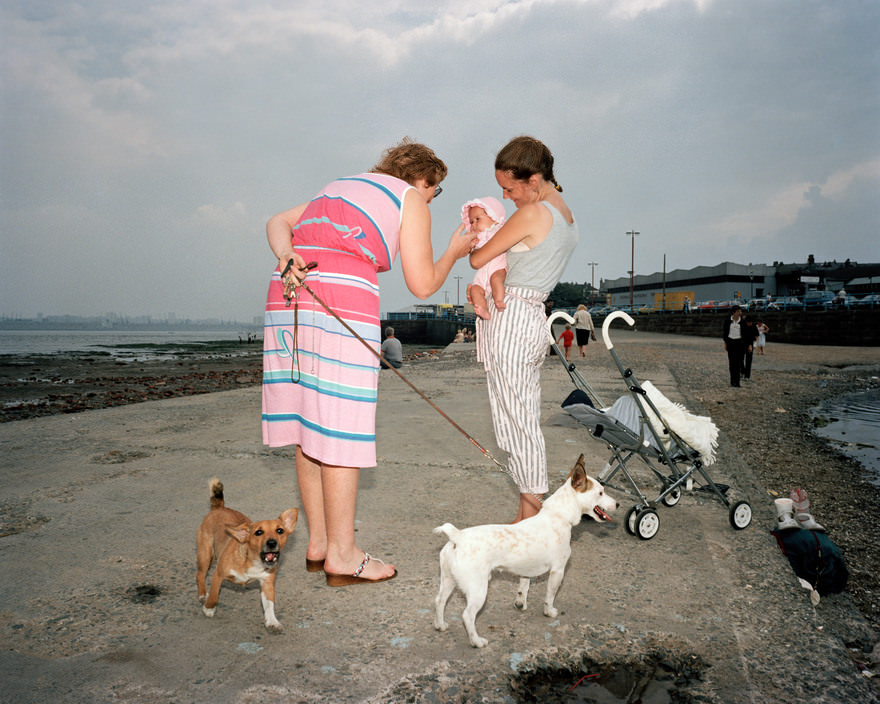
(675, 445)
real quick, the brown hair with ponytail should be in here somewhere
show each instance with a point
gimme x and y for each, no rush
(524, 156)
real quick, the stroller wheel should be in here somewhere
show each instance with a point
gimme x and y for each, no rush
(647, 524)
(630, 519)
(672, 498)
(740, 515)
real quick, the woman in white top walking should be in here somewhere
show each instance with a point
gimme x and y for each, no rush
(583, 328)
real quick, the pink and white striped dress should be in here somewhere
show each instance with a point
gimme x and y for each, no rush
(319, 381)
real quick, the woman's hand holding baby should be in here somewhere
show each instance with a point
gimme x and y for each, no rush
(462, 243)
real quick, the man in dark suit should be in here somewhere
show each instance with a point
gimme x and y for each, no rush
(734, 343)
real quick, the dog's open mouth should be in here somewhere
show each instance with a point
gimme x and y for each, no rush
(601, 514)
(269, 558)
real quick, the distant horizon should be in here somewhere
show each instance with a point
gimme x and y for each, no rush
(173, 319)
(120, 322)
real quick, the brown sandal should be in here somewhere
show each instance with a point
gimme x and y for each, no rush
(314, 565)
(343, 580)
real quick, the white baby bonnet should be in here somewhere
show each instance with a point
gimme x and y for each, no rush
(493, 207)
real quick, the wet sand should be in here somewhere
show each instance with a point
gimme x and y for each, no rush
(37, 385)
(32, 386)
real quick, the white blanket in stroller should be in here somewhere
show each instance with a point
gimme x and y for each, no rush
(697, 431)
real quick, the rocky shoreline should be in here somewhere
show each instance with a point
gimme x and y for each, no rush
(770, 422)
(32, 386)
(40, 385)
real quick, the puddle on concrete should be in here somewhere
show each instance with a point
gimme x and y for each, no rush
(653, 680)
(144, 593)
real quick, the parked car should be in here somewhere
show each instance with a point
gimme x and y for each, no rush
(872, 300)
(717, 306)
(818, 299)
(786, 303)
(762, 304)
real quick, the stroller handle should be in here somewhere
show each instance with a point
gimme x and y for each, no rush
(607, 324)
(552, 319)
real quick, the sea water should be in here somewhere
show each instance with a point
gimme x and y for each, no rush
(118, 343)
(852, 424)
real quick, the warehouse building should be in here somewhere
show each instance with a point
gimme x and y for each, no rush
(731, 281)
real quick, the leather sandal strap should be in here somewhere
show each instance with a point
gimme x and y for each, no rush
(363, 566)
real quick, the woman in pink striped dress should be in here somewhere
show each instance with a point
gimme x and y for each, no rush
(319, 381)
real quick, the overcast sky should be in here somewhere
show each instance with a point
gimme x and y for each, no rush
(145, 143)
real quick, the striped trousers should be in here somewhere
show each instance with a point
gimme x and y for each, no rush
(512, 346)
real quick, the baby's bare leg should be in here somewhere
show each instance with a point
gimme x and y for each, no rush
(496, 283)
(478, 298)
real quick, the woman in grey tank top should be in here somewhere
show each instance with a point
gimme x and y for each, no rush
(539, 239)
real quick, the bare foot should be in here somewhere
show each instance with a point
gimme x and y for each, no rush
(500, 304)
(366, 567)
(482, 311)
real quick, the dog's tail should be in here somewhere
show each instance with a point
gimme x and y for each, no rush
(216, 489)
(449, 530)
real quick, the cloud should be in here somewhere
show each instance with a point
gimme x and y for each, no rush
(784, 206)
(169, 132)
(632, 9)
(220, 215)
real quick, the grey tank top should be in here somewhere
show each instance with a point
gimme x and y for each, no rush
(541, 267)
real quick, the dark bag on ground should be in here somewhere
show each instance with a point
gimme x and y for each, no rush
(815, 558)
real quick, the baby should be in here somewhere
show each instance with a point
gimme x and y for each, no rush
(483, 217)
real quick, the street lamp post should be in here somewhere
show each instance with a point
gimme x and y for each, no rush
(751, 282)
(457, 290)
(632, 272)
(592, 266)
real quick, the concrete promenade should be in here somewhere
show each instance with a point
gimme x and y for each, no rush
(98, 600)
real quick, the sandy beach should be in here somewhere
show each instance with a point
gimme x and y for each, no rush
(101, 503)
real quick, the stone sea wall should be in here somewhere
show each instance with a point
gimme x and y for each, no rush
(802, 327)
(832, 327)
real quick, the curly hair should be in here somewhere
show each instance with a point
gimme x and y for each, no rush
(524, 156)
(410, 161)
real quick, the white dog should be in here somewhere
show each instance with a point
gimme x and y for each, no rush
(528, 548)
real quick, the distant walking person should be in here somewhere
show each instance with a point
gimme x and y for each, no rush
(567, 337)
(392, 350)
(583, 328)
(733, 343)
(762, 329)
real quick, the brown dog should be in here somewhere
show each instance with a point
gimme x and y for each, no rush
(245, 551)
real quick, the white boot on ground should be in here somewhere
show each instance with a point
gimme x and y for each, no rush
(785, 514)
(807, 522)
(802, 511)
